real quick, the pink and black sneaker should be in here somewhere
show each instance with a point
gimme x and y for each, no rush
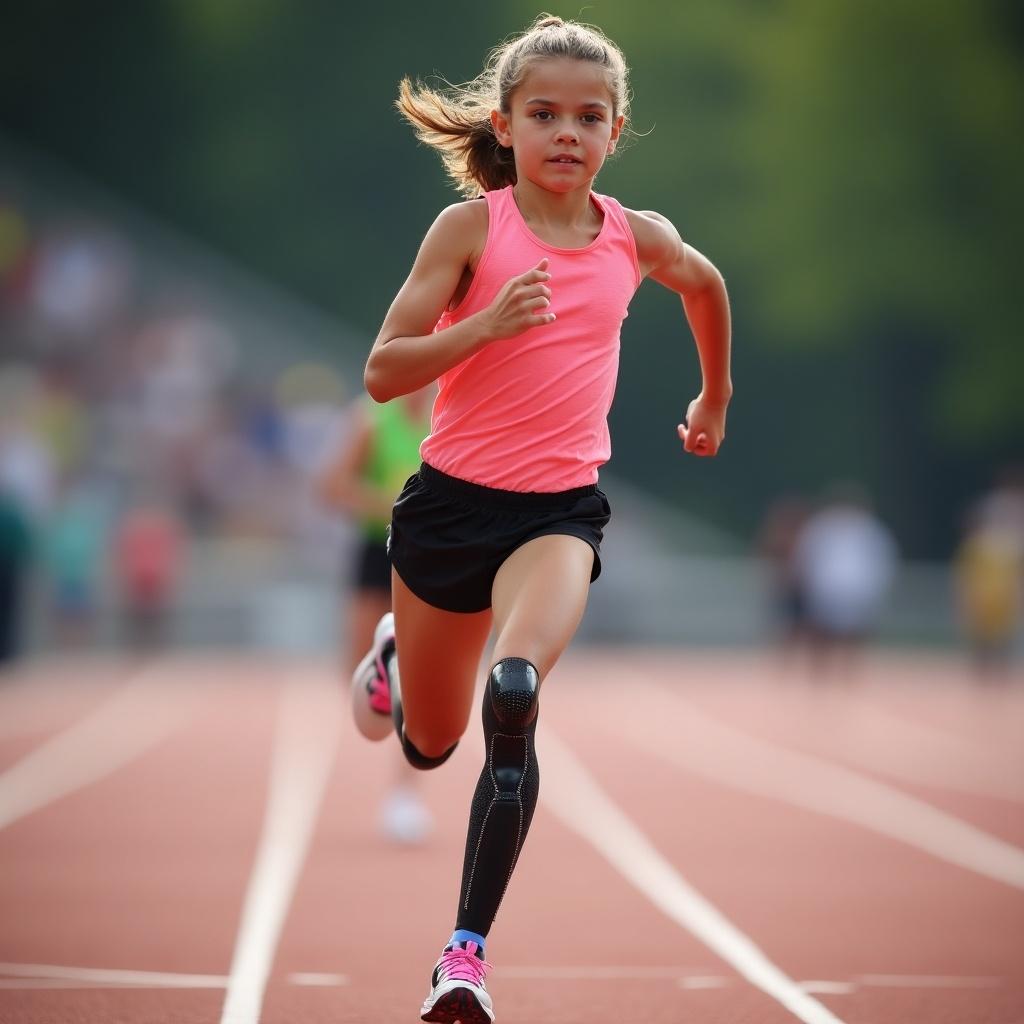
(371, 691)
(457, 990)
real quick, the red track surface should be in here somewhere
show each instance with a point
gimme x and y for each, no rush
(722, 767)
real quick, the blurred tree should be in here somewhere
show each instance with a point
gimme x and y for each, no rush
(851, 167)
(882, 215)
(263, 127)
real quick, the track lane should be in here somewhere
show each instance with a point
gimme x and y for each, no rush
(37, 702)
(858, 723)
(146, 868)
(161, 854)
(774, 869)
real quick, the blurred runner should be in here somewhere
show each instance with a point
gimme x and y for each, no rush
(845, 560)
(380, 452)
(777, 544)
(989, 568)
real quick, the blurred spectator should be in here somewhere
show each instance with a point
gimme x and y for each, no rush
(81, 278)
(61, 420)
(15, 247)
(147, 564)
(15, 553)
(989, 567)
(234, 488)
(263, 424)
(309, 396)
(27, 470)
(1003, 506)
(74, 548)
(183, 362)
(777, 545)
(845, 561)
(117, 367)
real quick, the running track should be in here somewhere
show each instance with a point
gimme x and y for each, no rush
(194, 840)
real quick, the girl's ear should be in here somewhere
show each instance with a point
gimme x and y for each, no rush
(499, 122)
(616, 132)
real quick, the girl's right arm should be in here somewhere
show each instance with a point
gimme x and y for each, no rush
(408, 354)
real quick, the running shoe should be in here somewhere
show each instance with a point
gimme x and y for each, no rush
(457, 990)
(383, 644)
(371, 691)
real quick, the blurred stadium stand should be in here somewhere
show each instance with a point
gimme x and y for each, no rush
(260, 564)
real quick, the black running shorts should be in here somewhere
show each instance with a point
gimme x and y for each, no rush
(372, 567)
(449, 537)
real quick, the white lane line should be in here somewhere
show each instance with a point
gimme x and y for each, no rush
(829, 988)
(45, 983)
(315, 980)
(699, 743)
(574, 797)
(706, 982)
(840, 988)
(927, 981)
(304, 747)
(54, 976)
(100, 976)
(139, 715)
(612, 973)
(42, 976)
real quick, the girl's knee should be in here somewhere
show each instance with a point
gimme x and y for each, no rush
(540, 651)
(432, 744)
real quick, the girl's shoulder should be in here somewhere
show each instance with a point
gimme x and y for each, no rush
(468, 217)
(656, 236)
(650, 226)
(466, 212)
(461, 228)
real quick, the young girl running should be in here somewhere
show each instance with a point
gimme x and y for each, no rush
(514, 305)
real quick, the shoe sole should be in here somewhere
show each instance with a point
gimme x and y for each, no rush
(459, 1006)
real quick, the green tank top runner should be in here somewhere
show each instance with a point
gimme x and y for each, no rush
(394, 455)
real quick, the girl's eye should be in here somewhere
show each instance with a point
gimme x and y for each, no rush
(543, 115)
(590, 119)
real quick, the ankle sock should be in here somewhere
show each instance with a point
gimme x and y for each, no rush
(462, 935)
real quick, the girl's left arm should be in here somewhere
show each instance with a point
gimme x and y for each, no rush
(667, 259)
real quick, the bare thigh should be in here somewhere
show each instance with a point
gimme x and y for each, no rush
(538, 598)
(438, 662)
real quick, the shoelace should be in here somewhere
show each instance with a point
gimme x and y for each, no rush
(461, 964)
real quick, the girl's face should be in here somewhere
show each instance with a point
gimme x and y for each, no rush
(561, 124)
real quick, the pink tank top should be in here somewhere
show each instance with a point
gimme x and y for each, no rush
(530, 413)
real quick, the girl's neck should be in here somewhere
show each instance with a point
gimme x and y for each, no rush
(555, 209)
